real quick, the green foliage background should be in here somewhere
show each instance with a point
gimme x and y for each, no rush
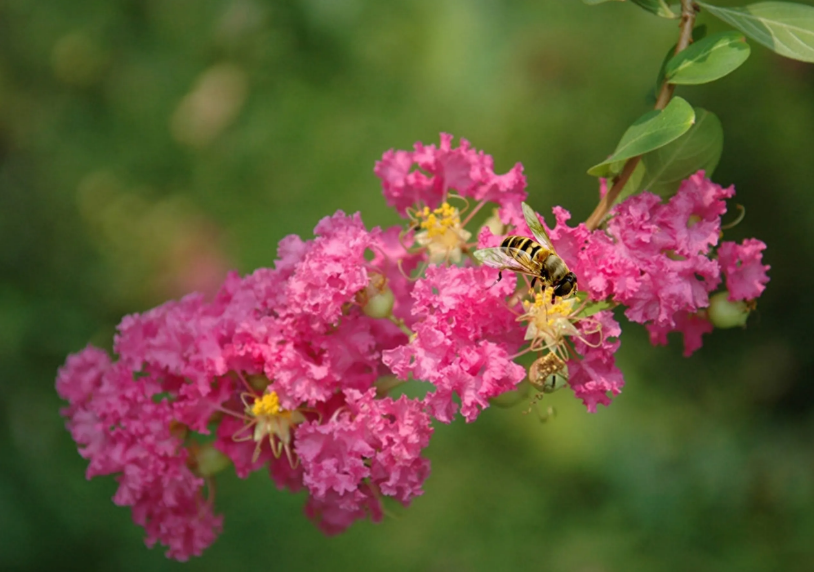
(108, 191)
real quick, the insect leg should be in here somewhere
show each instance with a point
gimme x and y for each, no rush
(533, 282)
(500, 276)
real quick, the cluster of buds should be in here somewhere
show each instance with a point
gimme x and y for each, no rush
(290, 369)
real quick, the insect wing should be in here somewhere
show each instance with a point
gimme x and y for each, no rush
(500, 258)
(535, 227)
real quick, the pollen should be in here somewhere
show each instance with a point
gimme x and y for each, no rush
(552, 311)
(266, 421)
(441, 233)
(268, 404)
(438, 221)
(559, 310)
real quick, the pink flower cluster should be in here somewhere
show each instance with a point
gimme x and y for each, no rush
(122, 429)
(297, 330)
(289, 368)
(657, 259)
(467, 171)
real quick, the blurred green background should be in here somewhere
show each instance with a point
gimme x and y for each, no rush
(146, 146)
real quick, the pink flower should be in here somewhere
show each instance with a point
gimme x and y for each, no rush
(335, 512)
(594, 377)
(465, 335)
(366, 443)
(469, 172)
(654, 257)
(332, 270)
(123, 430)
(396, 263)
(692, 326)
(694, 214)
(743, 267)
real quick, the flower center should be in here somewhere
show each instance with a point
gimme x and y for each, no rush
(438, 221)
(441, 233)
(548, 323)
(274, 423)
(268, 404)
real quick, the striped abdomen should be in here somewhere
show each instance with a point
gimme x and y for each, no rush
(527, 252)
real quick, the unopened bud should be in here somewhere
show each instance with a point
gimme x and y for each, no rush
(725, 313)
(376, 299)
(380, 305)
(205, 460)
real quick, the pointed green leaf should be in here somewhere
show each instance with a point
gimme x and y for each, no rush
(657, 7)
(699, 148)
(708, 59)
(783, 27)
(652, 130)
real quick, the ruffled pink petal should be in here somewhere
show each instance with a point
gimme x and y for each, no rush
(743, 267)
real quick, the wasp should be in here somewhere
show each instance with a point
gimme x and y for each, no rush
(536, 258)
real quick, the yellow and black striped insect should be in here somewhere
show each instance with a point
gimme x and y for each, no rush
(536, 259)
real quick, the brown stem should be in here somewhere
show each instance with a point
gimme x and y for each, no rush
(688, 11)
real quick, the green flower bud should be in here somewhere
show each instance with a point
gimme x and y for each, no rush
(380, 305)
(724, 313)
(207, 461)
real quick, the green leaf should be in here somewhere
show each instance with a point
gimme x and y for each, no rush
(699, 148)
(698, 33)
(783, 27)
(652, 130)
(592, 308)
(707, 60)
(595, 2)
(657, 7)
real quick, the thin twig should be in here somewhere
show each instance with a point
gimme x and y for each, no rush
(688, 11)
(402, 326)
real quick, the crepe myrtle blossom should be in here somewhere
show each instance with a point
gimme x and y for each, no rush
(658, 259)
(281, 352)
(290, 369)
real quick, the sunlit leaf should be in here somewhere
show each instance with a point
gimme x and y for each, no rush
(657, 7)
(699, 148)
(652, 130)
(783, 27)
(708, 59)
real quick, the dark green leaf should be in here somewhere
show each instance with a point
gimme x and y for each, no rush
(699, 148)
(786, 28)
(652, 130)
(708, 59)
(657, 7)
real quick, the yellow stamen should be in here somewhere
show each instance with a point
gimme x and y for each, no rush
(268, 404)
(441, 233)
(267, 420)
(438, 221)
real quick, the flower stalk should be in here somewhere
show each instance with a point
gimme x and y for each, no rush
(688, 13)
